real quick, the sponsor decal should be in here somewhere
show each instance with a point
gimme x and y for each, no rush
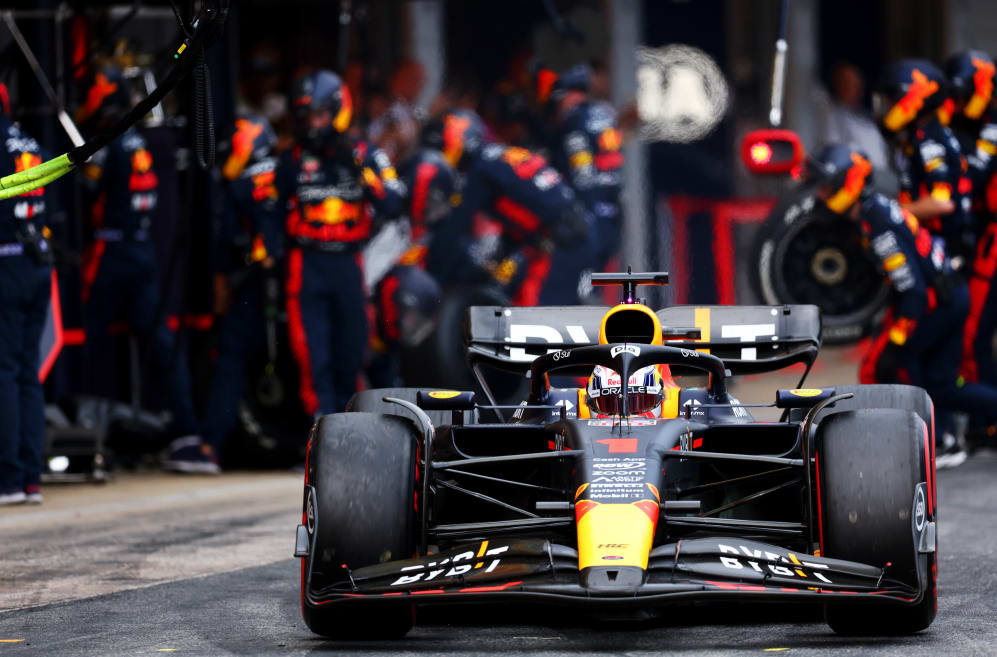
(558, 355)
(629, 348)
(805, 392)
(310, 513)
(692, 407)
(748, 333)
(612, 557)
(521, 333)
(920, 509)
(460, 564)
(765, 562)
(444, 394)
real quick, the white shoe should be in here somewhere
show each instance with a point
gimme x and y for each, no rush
(33, 495)
(950, 453)
(8, 499)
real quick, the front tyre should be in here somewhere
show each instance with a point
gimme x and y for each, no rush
(359, 509)
(870, 467)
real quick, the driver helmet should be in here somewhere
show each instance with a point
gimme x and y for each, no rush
(645, 389)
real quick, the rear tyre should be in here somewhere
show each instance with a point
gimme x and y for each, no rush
(362, 469)
(869, 463)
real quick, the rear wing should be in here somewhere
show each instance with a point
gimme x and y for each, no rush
(749, 339)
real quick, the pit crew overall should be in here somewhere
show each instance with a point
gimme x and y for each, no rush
(933, 165)
(429, 182)
(25, 285)
(586, 151)
(331, 201)
(921, 338)
(120, 272)
(533, 203)
(979, 143)
(249, 230)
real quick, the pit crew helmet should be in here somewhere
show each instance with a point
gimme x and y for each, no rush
(107, 96)
(550, 86)
(971, 81)
(645, 392)
(318, 92)
(843, 172)
(909, 90)
(253, 139)
(459, 134)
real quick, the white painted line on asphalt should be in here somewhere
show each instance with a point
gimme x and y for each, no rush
(130, 506)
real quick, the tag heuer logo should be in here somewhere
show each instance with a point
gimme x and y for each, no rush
(681, 93)
(629, 348)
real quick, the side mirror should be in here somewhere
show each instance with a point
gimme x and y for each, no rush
(772, 152)
(801, 397)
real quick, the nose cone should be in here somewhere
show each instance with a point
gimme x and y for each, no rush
(612, 579)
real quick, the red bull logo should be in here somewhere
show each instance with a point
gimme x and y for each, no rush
(332, 211)
(263, 186)
(143, 178)
(25, 161)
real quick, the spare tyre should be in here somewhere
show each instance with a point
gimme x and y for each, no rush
(805, 254)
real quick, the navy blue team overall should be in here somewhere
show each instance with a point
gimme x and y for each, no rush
(979, 143)
(25, 286)
(250, 224)
(120, 271)
(934, 167)
(534, 205)
(586, 150)
(331, 200)
(921, 339)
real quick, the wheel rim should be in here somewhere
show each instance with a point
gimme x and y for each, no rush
(822, 261)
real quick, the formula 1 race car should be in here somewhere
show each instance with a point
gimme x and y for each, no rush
(630, 492)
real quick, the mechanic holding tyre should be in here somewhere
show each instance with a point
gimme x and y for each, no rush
(120, 272)
(25, 288)
(974, 122)
(921, 338)
(247, 243)
(584, 145)
(538, 210)
(332, 188)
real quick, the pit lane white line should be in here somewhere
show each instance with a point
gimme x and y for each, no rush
(136, 505)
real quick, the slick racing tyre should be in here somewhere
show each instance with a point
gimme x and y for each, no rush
(887, 395)
(807, 255)
(873, 478)
(359, 511)
(372, 401)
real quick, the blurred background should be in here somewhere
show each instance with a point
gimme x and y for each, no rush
(686, 79)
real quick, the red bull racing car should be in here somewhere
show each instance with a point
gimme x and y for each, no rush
(628, 492)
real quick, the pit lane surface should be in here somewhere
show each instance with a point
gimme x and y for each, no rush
(139, 568)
